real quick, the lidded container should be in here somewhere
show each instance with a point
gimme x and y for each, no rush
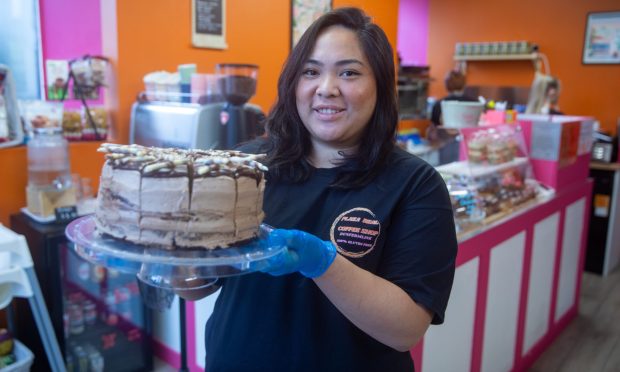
(49, 174)
(48, 159)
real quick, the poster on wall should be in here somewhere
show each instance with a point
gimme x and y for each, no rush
(602, 40)
(209, 24)
(57, 75)
(303, 13)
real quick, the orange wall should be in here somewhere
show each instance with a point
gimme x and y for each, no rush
(556, 26)
(156, 35)
(85, 161)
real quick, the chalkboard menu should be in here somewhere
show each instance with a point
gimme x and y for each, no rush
(209, 23)
(209, 17)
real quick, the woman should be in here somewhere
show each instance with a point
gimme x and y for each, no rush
(369, 228)
(455, 85)
(544, 95)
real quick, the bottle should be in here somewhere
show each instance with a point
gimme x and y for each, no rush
(49, 176)
(48, 159)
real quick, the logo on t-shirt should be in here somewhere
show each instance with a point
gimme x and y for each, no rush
(355, 232)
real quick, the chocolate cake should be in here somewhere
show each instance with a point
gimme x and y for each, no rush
(176, 198)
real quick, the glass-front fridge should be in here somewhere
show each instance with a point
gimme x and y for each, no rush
(98, 315)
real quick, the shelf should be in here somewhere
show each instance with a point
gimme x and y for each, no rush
(499, 57)
(538, 59)
(605, 166)
(467, 169)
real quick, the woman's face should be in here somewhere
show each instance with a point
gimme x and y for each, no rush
(336, 93)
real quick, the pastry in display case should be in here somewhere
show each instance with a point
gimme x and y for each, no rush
(467, 204)
(495, 144)
(495, 177)
(497, 190)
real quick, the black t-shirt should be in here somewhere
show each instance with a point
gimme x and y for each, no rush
(399, 227)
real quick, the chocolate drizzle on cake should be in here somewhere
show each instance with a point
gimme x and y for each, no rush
(158, 162)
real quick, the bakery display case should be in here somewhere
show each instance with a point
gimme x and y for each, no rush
(482, 194)
(494, 178)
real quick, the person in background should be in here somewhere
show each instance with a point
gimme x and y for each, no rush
(455, 85)
(552, 95)
(368, 228)
(544, 95)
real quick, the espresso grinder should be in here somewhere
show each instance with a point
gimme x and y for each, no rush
(237, 83)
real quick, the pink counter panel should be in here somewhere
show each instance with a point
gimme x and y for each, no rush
(516, 287)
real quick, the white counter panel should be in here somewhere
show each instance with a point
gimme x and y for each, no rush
(569, 264)
(540, 289)
(502, 309)
(448, 347)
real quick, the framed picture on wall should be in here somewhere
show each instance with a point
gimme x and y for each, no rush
(602, 38)
(209, 24)
(303, 13)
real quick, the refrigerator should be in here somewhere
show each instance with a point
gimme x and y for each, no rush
(98, 315)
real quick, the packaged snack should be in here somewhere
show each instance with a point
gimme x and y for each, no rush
(477, 148)
(72, 125)
(89, 75)
(99, 117)
(57, 72)
(41, 114)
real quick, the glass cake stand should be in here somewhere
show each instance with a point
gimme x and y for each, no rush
(185, 269)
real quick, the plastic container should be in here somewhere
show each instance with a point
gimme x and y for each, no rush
(48, 159)
(49, 177)
(23, 356)
(457, 114)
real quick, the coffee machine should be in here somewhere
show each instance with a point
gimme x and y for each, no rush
(190, 125)
(222, 123)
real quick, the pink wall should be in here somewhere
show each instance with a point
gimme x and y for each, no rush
(412, 39)
(70, 29)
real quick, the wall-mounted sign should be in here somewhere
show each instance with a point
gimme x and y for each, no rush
(209, 24)
(303, 13)
(602, 44)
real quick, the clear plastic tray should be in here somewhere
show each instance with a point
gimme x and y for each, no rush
(169, 269)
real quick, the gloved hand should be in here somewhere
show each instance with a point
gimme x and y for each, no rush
(304, 253)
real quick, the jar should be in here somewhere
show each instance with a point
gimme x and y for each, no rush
(90, 312)
(76, 319)
(48, 160)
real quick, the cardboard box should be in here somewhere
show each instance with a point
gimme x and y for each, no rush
(559, 147)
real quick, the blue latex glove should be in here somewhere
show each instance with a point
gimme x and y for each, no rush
(304, 253)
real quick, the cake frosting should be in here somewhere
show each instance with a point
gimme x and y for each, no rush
(175, 198)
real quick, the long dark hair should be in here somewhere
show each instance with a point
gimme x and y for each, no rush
(289, 140)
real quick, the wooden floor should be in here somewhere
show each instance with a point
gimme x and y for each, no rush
(591, 342)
